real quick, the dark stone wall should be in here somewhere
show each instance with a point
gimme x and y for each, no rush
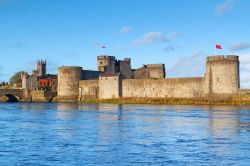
(124, 67)
(150, 71)
(141, 73)
(90, 75)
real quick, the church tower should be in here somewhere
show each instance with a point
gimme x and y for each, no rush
(41, 68)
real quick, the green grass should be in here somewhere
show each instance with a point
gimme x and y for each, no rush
(236, 100)
(171, 101)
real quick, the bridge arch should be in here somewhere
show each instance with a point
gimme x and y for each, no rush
(13, 95)
(12, 98)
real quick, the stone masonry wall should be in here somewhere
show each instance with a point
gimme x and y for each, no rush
(141, 73)
(88, 89)
(150, 71)
(125, 68)
(159, 88)
(109, 87)
(156, 70)
(38, 96)
(222, 75)
(90, 74)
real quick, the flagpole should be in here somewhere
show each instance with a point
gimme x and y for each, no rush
(215, 50)
(102, 49)
(217, 46)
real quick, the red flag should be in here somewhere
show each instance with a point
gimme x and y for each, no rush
(217, 46)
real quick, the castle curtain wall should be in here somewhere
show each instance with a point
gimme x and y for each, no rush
(159, 88)
(88, 89)
(110, 87)
(221, 79)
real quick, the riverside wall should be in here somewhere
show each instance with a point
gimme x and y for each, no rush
(110, 86)
(160, 88)
(88, 89)
(41, 96)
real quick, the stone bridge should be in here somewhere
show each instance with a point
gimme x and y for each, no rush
(14, 95)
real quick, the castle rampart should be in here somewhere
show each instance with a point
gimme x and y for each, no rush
(221, 78)
(110, 86)
(88, 89)
(222, 57)
(160, 88)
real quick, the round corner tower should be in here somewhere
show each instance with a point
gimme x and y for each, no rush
(222, 74)
(68, 82)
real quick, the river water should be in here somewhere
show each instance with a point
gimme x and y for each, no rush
(106, 134)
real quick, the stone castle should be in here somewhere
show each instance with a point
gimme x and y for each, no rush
(116, 79)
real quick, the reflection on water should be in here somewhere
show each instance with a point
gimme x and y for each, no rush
(109, 134)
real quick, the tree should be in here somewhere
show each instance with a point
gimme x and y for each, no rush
(16, 78)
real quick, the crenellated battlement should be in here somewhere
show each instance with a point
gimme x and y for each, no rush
(223, 58)
(41, 62)
(105, 57)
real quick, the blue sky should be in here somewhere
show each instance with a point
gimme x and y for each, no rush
(179, 33)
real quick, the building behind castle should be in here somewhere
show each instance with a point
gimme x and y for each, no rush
(39, 79)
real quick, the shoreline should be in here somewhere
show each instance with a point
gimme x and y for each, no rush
(236, 100)
(167, 101)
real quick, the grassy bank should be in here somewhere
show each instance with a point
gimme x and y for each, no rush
(237, 100)
(240, 100)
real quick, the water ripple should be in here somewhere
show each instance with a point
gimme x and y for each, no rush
(109, 134)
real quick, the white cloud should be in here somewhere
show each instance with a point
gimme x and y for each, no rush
(239, 46)
(155, 37)
(188, 66)
(126, 29)
(225, 7)
(194, 65)
(169, 48)
(151, 37)
(173, 35)
(120, 48)
(245, 70)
